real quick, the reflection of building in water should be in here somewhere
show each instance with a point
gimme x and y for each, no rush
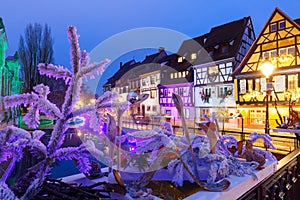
(279, 43)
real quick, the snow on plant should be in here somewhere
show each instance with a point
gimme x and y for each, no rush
(13, 140)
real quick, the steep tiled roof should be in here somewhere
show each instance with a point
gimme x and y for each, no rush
(230, 33)
(297, 21)
(172, 65)
(124, 68)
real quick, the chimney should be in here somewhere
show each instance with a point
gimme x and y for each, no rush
(160, 49)
(121, 64)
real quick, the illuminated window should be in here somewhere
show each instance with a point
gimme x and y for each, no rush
(193, 56)
(152, 94)
(186, 113)
(180, 59)
(171, 76)
(257, 116)
(292, 81)
(186, 73)
(183, 74)
(179, 74)
(273, 27)
(282, 25)
(175, 75)
(250, 85)
(257, 84)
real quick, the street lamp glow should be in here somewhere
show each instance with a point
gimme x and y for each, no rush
(267, 68)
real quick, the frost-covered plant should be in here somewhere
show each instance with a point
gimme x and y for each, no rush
(239, 167)
(13, 140)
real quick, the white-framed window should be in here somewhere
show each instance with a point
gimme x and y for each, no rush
(180, 91)
(266, 55)
(175, 75)
(282, 51)
(154, 109)
(171, 76)
(242, 86)
(250, 85)
(281, 24)
(148, 108)
(183, 74)
(186, 113)
(291, 50)
(273, 53)
(279, 83)
(152, 79)
(273, 27)
(257, 84)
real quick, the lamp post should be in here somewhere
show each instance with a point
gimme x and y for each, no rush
(267, 69)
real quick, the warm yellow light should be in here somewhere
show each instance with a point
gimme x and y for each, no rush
(79, 133)
(92, 101)
(267, 68)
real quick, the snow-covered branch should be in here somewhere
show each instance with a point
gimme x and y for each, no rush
(56, 72)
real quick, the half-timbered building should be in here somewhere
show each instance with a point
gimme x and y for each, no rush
(177, 77)
(215, 56)
(278, 43)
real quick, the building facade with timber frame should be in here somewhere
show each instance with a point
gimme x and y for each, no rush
(278, 43)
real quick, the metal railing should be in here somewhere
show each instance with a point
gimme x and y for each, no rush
(284, 143)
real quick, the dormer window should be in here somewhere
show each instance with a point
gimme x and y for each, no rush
(224, 49)
(273, 27)
(179, 74)
(193, 56)
(180, 59)
(281, 25)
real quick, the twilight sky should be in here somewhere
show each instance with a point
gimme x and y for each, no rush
(99, 20)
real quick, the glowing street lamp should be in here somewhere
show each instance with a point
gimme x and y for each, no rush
(267, 69)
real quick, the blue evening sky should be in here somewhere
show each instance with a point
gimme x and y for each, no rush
(99, 20)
